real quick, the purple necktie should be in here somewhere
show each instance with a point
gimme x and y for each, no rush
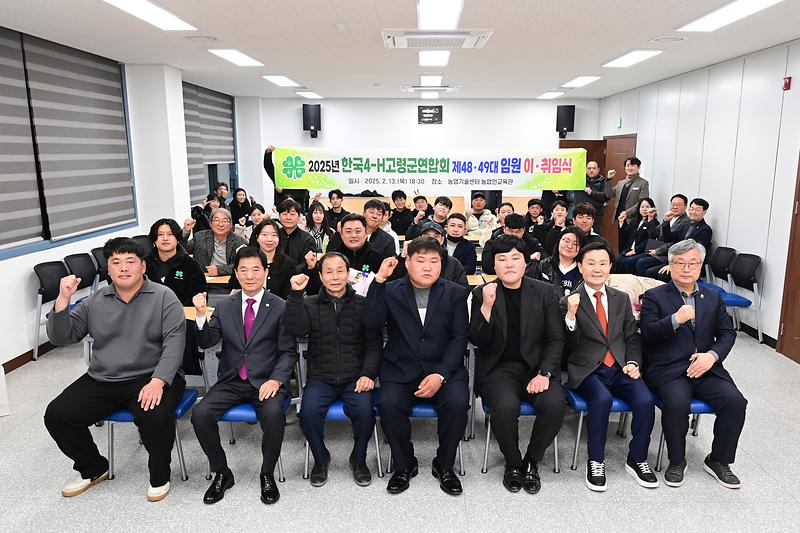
(249, 318)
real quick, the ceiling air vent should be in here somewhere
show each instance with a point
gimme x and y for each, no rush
(435, 40)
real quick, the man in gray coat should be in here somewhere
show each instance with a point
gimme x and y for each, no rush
(214, 249)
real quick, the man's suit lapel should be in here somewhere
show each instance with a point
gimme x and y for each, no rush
(615, 303)
(411, 300)
(261, 316)
(524, 311)
(499, 309)
(677, 300)
(236, 315)
(587, 305)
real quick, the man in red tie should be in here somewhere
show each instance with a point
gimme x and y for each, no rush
(257, 360)
(605, 357)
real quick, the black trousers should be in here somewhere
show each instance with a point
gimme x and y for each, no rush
(502, 390)
(87, 400)
(722, 395)
(223, 396)
(451, 404)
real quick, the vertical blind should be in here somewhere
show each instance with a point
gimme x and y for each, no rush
(198, 187)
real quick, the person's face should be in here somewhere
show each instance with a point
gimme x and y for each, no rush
(510, 266)
(257, 216)
(421, 204)
(251, 274)
(568, 246)
(354, 235)
(677, 206)
(435, 234)
(336, 201)
(222, 191)
(289, 219)
(535, 211)
(696, 212)
(503, 212)
(685, 268)
(584, 222)
(334, 274)
(220, 225)
(478, 204)
(595, 268)
(516, 232)
(631, 169)
(318, 215)
(126, 271)
(424, 268)
(374, 217)
(644, 207)
(592, 170)
(268, 239)
(241, 196)
(455, 228)
(166, 242)
(441, 210)
(214, 204)
(400, 203)
(559, 211)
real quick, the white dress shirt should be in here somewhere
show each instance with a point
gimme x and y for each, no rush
(201, 320)
(590, 291)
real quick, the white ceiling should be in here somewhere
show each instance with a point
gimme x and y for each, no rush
(536, 45)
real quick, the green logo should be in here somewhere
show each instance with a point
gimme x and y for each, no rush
(294, 167)
(179, 274)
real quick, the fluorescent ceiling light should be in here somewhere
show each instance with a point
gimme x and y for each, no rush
(152, 14)
(434, 58)
(580, 81)
(631, 58)
(438, 14)
(281, 81)
(309, 94)
(430, 80)
(429, 95)
(550, 95)
(237, 58)
(727, 14)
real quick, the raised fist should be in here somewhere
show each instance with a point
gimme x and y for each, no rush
(299, 282)
(489, 294)
(188, 224)
(685, 314)
(270, 148)
(622, 217)
(200, 303)
(68, 286)
(311, 259)
(387, 267)
(573, 301)
(611, 174)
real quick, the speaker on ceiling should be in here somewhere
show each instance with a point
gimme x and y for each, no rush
(565, 120)
(312, 120)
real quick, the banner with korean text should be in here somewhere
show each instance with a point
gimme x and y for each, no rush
(357, 170)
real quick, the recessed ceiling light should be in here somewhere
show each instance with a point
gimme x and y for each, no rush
(237, 58)
(429, 95)
(200, 38)
(438, 14)
(550, 95)
(430, 79)
(434, 58)
(580, 81)
(667, 40)
(281, 81)
(152, 14)
(340, 26)
(631, 58)
(727, 14)
(309, 94)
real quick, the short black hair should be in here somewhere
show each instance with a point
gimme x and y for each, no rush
(426, 244)
(534, 201)
(506, 243)
(457, 216)
(515, 221)
(702, 203)
(249, 251)
(375, 204)
(221, 184)
(333, 255)
(648, 200)
(350, 217)
(174, 227)
(592, 246)
(584, 208)
(386, 207)
(287, 204)
(398, 194)
(444, 200)
(123, 245)
(257, 206)
(337, 192)
(633, 160)
(420, 197)
(560, 203)
(509, 204)
(579, 234)
(211, 197)
(258, 228)
(681, 196)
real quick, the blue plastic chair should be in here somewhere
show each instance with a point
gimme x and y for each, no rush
(124, 415)
(336, 413)
(525, 409)
(696, 408)
(577, 402)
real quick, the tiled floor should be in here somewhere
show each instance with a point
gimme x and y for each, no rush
(32, 471)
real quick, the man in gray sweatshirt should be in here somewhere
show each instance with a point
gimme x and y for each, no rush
(138, 329)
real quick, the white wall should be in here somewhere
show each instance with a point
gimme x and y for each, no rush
(729, 134)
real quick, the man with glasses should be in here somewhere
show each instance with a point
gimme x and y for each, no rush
(214, 249)
(687, 335)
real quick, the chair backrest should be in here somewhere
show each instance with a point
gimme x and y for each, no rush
(101, 262)
(144, 240)
(50, 274)
(745, 271)
(82, 266)
(721, 261)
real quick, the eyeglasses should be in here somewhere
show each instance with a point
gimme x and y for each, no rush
(682, 265)
(221, 221)
(569, 243)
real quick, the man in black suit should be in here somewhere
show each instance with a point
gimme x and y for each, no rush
(605, 355)
(516, 328)
(687, 334)
(423, 359)
(258, 356)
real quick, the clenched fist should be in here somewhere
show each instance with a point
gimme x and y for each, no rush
(188, 224)
(685, 314)
(622, 217)
(573, 301)
(68, 286)
(387, 267)
(200, 303)
(299, 282)
(611, 174)
(489, 293)
(311, 259)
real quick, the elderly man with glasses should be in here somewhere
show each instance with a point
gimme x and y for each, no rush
(687, 335)
(214, 249)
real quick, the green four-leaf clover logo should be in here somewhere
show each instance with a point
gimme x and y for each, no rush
(294, 167)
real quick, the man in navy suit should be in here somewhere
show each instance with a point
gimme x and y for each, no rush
(258, 356)
(423, 360)
(687, 334)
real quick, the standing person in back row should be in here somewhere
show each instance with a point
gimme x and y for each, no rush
(630, 190)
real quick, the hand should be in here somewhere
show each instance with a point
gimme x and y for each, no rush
(188, 224)
(536, 256)
(538, 384)
(489, 296)
(623, 216)
(200, 301)
(652, 213)
(701, 363)
(540, 220)
(150, 395)
(429, 386)
(364, 384)
(212, 270)
(252, 199)
(243, 221)
(684, 314)
(387, 267)
(204, 202)
(664, 269)
(573, 301)
(668, 216)
(652, 252)
(611, 173)
(419, 216)
(630, 253)
(269, 389)
(588, 190)
(468, 213)
(311, 259)
(68, 286)
(560, 220)
(270, 148)
(632, 371)
(404, 253)
(299, 282)
(317, 197)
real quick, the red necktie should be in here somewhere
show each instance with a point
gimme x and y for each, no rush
(249, 318)
(608, 360)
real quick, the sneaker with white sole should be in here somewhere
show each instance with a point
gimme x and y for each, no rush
(80, 485)
(642, 473)
(156, 494)
(673, 476)
(722, 473)
(596, 475)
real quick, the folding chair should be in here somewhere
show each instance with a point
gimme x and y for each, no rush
(697, 407)
(83, 267)
(577, 402)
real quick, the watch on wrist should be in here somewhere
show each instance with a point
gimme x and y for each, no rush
(545, 373)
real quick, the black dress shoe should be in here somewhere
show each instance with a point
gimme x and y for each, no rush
(222, 482)
(361, 474)
(530, 481)
(319, 474)
(269, 489)
(512, 479)
(400, 479)
(448, 480)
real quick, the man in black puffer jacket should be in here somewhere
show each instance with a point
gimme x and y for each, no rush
(343, 359)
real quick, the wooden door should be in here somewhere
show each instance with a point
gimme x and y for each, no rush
(789, 329)
(618, 149)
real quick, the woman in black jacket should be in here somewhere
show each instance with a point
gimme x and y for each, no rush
(240, 207)
(637, 231)
(561, 269)
(202, 212)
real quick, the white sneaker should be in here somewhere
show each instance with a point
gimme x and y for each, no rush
(156, 494)
(81, 485)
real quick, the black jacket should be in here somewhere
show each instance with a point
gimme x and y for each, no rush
(298, 244)
(180, 273)
(401, 220)
(634, 233)
(278, 279)
(364, 259)
(487, 256)
(545, 270)
(340, 348)
(200, 216)
(467, 255)
(452, 270)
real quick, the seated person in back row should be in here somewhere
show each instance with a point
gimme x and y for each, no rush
(459, 247)
(421, 204)
(584, 220)
(336, 212)
(353, 245)
(560, 269)
(402, 217)
(452, 269)
(515, 226)
(297, 243)
(214, 249)
(536, 224)
(479, 219)
(441, 209)
(379, 241)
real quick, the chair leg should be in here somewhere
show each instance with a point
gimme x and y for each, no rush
(486, 446)
(577, 441)
(462, 472)
(110, 450)
(378, 450)
(305, 467)
(179, 448)
(37, 327)
(556, 467)
(233, 439)
(472, 419)
(622, 428)
(389, 465)
(695, 425)
(281, 477)
(660, 456)
(208, 472)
